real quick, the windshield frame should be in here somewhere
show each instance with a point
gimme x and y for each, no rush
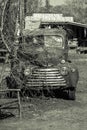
(43, 43)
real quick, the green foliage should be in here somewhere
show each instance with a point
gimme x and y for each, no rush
(75, 8)
(31, 6)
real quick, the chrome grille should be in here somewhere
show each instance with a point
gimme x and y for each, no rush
(46, 77)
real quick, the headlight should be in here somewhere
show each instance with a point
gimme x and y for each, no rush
(63, 61)
(27, 71)
(64, 71)
(73, 70)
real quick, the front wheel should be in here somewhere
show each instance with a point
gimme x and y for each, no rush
(71, 94)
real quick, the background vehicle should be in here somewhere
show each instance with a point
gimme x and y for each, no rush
(73, 44)
(82, 48)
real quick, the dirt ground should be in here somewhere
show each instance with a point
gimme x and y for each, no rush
(54, 113)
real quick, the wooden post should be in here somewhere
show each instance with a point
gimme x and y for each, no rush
(0, 110)
(19, 104)
(22, 19)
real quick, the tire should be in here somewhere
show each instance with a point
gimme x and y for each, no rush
(71, 94)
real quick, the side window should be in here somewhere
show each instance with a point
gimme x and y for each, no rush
(38, 40)
(35, 40)
(29, 40)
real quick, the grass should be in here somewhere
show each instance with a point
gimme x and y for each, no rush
(37, 108)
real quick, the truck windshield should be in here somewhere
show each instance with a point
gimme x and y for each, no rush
(49, 41)
(53, 41)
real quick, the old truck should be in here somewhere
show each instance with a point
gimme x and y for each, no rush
(42, 63)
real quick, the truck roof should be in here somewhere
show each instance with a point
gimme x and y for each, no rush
(44, 31)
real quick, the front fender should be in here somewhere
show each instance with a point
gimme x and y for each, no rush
(73, 77)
